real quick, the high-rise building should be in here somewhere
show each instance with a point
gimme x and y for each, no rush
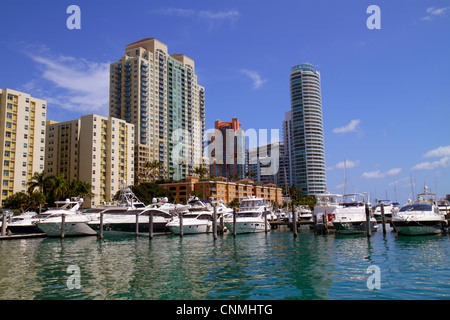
(265, 163)
(159, 94)
(96, 149)
(22, 139)
(228, 149)
(288, 151)
(306, 147)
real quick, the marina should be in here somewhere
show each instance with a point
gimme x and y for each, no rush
(273, 265)
(213, 252)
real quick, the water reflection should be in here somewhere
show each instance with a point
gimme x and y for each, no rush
(252, 266)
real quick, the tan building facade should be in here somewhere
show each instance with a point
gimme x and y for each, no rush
(22, 139)
(222, 190)
(159, 94)
(94, 148)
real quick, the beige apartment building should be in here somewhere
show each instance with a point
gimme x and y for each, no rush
(159, 94)
(22, 139)
(94, 148)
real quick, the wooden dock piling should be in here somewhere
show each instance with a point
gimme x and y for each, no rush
(137, 224)
(63, 225)
(180, 216)
(3, 225)
(265, 220)
(100, 236)
(368, 227)
(234, 222)
(383, 219)
(214, 226)
(294, 222)
(150, 225)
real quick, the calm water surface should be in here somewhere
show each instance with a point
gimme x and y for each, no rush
(252, 266)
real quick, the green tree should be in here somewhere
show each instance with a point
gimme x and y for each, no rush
(38, 181)
(59, 188)
(80, 188)
(18, 200)
(234, 203)
(201, 171)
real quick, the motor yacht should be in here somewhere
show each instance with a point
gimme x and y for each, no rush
(389, 208)
(125, 220)
(197, 217)
(76, 223)
(420, 217)
(251, 216)
(326, 205)
(350, 218)
(444, 207)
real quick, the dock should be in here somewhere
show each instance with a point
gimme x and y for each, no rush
(23, 236)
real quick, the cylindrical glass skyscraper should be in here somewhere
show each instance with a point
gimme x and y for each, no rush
(307, 141)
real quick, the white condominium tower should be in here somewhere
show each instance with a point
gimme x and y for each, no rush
(96, 149)
(22, 139)
(305, 146)
(159, 94)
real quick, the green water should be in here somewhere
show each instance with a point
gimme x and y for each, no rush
(252, 266)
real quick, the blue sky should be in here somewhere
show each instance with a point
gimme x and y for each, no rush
(385, 93)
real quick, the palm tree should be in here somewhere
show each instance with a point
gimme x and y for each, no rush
(37, 181)
(80, 188)
(59, 187)
(201, 171)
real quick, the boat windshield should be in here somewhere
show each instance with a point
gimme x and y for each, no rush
(417, 207)
(251, 203)
(249, 214)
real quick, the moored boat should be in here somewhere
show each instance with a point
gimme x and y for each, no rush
(251, 217)
(197, 218)
(76, 223)
(420, 217)
(350, 218)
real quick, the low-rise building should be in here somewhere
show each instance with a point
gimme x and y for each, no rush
(222, 190)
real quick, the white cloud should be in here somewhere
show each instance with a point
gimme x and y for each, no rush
(347, 163)
(378, 174)
(433, 12)
(75, 83)
(438, 152)
(211, 17)
(257, 80)
(351, 127)
(430, 165)
(443, 152)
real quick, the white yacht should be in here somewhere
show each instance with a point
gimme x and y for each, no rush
(76, 223)
(305, 213)
(350, 218)
(197, 218)
(125, 220)
(24, 223)
(251, 216)
(444, 207)
(389, 209)
(326, 205)
(420, 217)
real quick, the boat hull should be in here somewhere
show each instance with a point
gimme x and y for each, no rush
(53, 229)
(413, 228)
(353, 227)
(190, 228)
(158, 227)
(247, 226)
(24, 229)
